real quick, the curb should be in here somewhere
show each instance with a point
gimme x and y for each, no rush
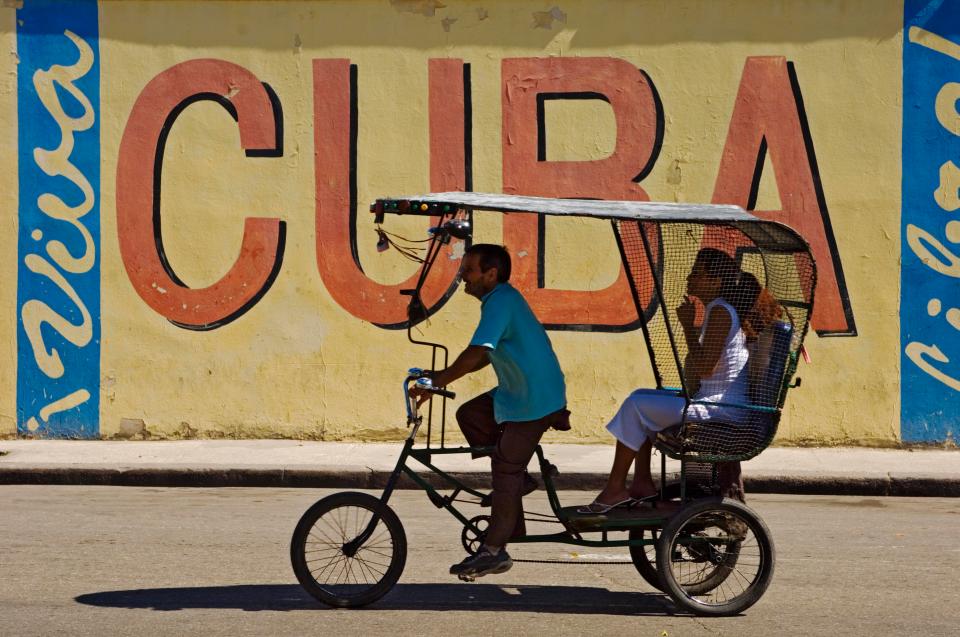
(376, 479)
(926, 487)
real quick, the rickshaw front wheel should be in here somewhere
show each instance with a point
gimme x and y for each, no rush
(348, 549)
(716, 557)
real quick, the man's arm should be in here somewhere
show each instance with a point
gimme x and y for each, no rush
(472, 359)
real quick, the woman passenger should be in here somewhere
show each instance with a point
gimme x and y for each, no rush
(715, 370)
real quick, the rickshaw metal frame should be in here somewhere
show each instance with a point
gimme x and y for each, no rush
(548, 471)
(447, 206)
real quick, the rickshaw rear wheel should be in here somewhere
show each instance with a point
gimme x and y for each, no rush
(716, 557)
(331, 567)
(645, 557)
(645, 561)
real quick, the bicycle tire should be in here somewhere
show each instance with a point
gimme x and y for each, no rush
(317, 550)
(645, 557)
(737, 541)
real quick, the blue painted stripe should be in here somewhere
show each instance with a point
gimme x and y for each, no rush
(58, 278)
(930, 224)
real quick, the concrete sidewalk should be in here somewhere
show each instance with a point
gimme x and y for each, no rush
(291, 463)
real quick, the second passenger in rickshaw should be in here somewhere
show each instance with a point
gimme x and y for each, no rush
(529, 399)
(715, 370)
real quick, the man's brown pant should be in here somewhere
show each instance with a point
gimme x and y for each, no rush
(514, 444)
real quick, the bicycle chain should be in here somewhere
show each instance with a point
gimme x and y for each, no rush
(569, 562)
(543, 518)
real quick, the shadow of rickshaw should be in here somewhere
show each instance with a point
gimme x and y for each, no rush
(576, 600)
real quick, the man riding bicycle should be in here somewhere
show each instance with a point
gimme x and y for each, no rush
(530, 397)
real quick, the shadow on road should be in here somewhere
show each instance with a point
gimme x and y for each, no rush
(453, 596)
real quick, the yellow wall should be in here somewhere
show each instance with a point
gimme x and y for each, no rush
(297, 364)
(8, 225)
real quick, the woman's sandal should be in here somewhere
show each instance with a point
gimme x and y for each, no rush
(598, 508)
(647, 499)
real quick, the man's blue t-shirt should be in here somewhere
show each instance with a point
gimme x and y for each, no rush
(531, 383)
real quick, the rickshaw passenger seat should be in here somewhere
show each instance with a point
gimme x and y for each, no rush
(718, 440)
(767, 392)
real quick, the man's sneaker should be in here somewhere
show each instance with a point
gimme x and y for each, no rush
(530, 485)
(483, 563)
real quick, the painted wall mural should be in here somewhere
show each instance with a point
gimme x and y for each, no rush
(259, 117)
(929, 317)
(58, 286)
(768, 117)
(228, 173)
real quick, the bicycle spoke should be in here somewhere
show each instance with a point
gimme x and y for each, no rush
(326, 558)
(365, 566)
(322, 574)
(375, 563)
(375, 552)
(333, 559)
(326, 549)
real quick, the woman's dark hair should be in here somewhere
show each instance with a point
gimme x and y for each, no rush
(748, 291)
(721, 265)
(492, 256)
(739, 289)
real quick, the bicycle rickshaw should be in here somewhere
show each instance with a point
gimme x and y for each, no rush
(712, 554)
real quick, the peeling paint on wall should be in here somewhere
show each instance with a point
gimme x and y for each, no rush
(546, 19)
(422, 7)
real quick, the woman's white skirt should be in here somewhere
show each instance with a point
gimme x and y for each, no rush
(647, 411)
(643, 414)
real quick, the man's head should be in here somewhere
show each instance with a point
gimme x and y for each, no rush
(484, 265)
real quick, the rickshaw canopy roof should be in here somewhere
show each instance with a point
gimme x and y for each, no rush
(768, 235)
(637, 210)
(764, 270)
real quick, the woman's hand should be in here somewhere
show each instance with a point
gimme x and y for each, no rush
(687, 313)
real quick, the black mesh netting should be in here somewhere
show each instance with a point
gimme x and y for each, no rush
(694, 281)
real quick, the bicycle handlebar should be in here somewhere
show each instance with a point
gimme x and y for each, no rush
(422, 380)
(439, 392)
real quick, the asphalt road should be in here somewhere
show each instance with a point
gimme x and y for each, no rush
(151, 561)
